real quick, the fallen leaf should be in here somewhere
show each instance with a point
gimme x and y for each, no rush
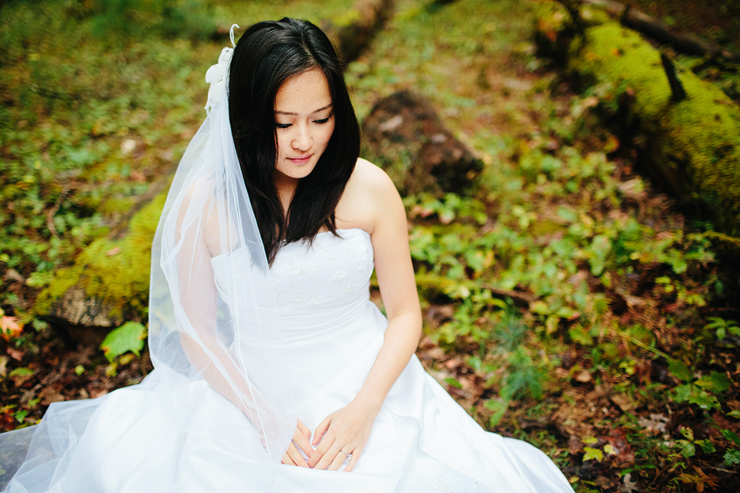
(583, 376)
(137, 175)
(113, 251)
(656, 423)
(3, 365)
(128, 146)
(575, 444)
(10, 327)
(14, 353)
(624, 402)
(49, 395)
(13, 275)
(592, 454)
(19, 376)
(629, 485)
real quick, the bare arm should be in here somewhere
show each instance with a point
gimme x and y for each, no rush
(348, 429)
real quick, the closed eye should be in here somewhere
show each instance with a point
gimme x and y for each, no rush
(324, 120)
(282, 125)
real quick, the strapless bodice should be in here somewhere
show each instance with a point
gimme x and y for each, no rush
(315, 299)
(309, 281)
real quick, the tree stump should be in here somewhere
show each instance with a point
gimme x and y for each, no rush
(404, 135)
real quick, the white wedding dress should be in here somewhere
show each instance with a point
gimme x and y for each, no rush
(422, 440)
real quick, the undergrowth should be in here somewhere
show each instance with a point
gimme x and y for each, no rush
(566, 302)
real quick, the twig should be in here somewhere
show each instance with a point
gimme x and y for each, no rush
(679, 93)
(51, 212)
(519, 299)
(661, 32)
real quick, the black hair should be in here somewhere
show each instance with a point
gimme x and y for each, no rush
(266, 56)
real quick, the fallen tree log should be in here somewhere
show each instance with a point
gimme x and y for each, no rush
(354, 31)
(661, 32)
(693, 145)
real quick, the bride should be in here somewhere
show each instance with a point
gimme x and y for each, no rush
(273, 370)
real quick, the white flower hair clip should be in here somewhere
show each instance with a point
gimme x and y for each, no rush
(217, 74)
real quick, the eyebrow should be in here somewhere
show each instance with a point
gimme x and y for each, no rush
(294, 114)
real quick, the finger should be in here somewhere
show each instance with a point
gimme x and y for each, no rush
(353, 460)
(338, 461)
(302, 442)
(296, 456)
(320, 430)
(304, 429)
(287, 460)
(321, 451)
(329, 456)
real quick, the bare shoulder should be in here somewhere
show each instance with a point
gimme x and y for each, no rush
(367, 197)
(371, 178)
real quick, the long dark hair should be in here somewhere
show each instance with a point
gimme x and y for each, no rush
(266, 56)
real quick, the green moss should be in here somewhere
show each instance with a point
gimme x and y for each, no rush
(117, 205)
(694, 144)
(346, 18)
(115, 272)
(433, 287)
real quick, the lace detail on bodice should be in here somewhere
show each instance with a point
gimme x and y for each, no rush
(328, 270)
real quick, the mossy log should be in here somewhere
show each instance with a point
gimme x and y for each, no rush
(691, 145)
(109, 281)
(661, 32)
(354, 30)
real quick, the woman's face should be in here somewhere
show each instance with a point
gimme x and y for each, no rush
(304, 118)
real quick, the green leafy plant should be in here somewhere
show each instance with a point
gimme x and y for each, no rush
(128, 337)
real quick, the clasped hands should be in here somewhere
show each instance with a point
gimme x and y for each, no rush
(342, 434)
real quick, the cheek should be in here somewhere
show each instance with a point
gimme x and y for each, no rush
(328, 134)
(281, 144)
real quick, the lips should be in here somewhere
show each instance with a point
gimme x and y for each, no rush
(300, 160)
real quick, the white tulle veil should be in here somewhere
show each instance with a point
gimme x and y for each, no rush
(203, 326)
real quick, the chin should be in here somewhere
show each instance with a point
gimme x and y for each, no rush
(296, 172)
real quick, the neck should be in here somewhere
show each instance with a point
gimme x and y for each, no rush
(285, 187)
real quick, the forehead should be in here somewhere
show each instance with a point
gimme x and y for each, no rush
(303, 94)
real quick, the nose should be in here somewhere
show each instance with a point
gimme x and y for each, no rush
(302, 139)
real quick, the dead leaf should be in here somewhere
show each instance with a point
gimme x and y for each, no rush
(624, 402)
(454, 363)
(137, 175)
(14, 353)
(3, 365)
(128, 146)
(19, 376)
(13, 275)
(113, 251)
(629, 485)
(10, 327)
(94, 394)
(49, 395)
(583, 376)
(604, 483)
(590, 102)
(575, 445)
(656, 423)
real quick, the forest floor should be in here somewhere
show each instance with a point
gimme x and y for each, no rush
(620, 362)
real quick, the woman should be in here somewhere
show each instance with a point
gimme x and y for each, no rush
(273, 368)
